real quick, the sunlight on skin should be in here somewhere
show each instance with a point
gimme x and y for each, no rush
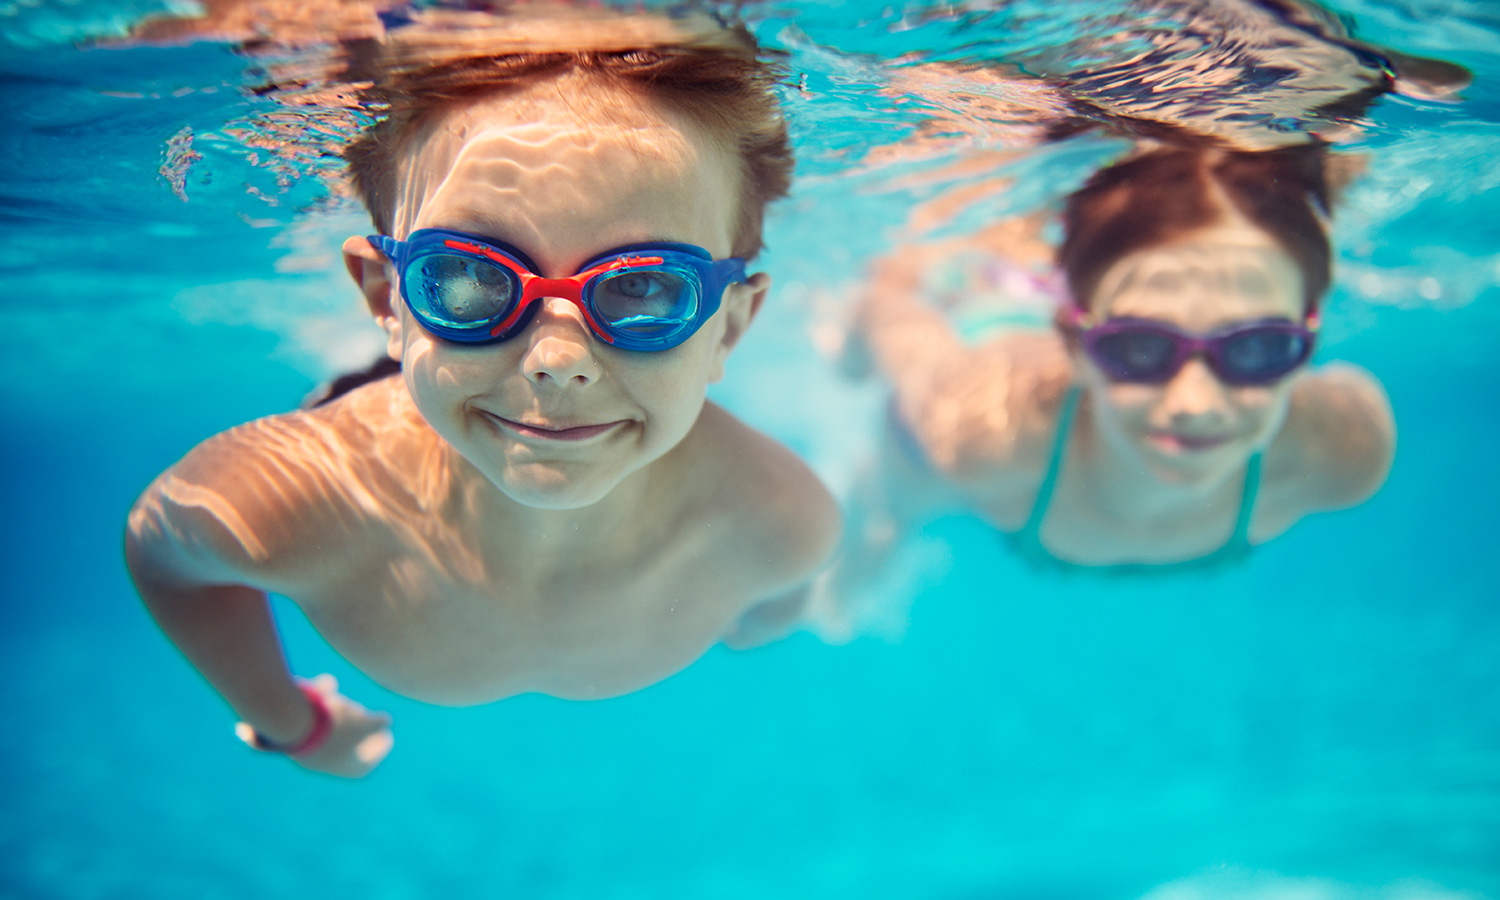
(305, 463)
(187, 495)
(507, 153)
(543, 514)
(428, 526)
(563, 178)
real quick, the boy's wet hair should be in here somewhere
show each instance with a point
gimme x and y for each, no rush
(1166, 194)
(724, 86)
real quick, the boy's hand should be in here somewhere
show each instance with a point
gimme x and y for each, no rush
(358, 741)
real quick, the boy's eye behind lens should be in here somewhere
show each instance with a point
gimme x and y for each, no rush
(655, 295)
(461, 290)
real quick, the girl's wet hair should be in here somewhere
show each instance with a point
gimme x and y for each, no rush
(724, 87)
(1164, 195)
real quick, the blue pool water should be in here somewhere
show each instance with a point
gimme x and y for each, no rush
(1323, 722)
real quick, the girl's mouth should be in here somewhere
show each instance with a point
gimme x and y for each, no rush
(1173, 442)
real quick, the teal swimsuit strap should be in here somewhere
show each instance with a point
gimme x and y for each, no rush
(1241, 537)
(1031, 533)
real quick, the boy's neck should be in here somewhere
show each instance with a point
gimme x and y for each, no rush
(626, 523)
(621, 525)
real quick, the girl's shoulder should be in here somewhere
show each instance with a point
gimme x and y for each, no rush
(1335, 448)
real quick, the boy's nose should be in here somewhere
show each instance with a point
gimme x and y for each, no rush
(1194, 393)
(559, 346)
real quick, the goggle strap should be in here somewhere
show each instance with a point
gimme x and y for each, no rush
(388, 246)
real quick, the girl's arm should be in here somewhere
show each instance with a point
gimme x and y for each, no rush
(985, 411)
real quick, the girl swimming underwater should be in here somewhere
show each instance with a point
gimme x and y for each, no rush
(1171, 416)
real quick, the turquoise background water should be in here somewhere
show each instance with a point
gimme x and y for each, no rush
(1322, 722)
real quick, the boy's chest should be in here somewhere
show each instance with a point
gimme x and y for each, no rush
(465, 634)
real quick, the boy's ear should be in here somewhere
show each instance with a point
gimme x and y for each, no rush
(741, 303)
(368, 267)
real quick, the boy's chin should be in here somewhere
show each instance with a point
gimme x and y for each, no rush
(553, 490)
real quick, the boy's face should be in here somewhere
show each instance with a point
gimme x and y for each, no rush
(554, 417)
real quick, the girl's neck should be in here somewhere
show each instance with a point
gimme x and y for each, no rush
(1122, 489)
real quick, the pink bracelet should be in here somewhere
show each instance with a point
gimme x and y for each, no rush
(322, 727)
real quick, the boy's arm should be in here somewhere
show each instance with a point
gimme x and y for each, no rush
(194, 560)
(227, 634)
(791, 525)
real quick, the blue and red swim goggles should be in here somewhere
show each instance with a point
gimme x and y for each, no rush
(468, 289)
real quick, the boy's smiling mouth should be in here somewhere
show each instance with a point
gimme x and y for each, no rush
(554, 431)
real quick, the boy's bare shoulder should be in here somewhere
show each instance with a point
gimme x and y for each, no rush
(288, 495)
(784, 520)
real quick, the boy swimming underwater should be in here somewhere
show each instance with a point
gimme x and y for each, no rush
(543, 501)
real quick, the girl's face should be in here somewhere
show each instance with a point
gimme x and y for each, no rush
(1194, 428)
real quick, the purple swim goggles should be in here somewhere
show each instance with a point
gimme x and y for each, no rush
(1148, 351)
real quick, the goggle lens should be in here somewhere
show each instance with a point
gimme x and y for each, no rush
(460, 291)
(1258, 357)
(1137, 355)
(647, 297)
(646, 302)
(1150, 352)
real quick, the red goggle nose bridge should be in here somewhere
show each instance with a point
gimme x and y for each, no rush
(534, 287)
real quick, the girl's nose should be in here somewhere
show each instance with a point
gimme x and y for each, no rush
(1195, 392)
(560, 347)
